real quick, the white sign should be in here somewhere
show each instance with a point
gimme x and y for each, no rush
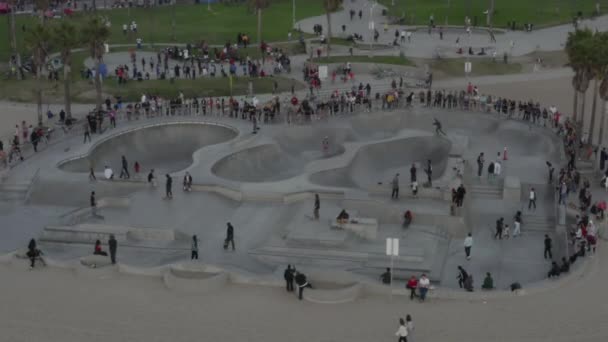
(467, 67)
(322, 71)
(106, 48)
(392, 247)
(371, 25)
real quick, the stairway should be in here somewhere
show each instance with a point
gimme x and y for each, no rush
(491, 191)
(586, 169)
(538, 223)
(13, 192)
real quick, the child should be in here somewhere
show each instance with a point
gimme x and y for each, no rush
(505, 231)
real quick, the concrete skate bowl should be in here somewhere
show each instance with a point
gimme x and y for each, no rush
(166, 147)
(378, 163)
(195, 281)
(379, 126)
(307, 142)
(264, 163)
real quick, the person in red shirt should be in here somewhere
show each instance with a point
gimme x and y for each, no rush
(412, 284)
(98, 250)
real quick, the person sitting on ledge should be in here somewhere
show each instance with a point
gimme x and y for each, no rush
(386, 277)
(342, 217)
(98, 250)
(488, 282)
(407, 219)
(565, 267)
(555, 270)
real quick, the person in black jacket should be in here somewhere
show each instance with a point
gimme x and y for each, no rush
(302, 283)
(113, 245)
(124, 172)
(288, 275)
(229, 236)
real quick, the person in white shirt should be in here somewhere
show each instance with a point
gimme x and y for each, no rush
(402, 332)
(108, 173)
(423, 286)
(468, 243)
(532, 199)
(497, 169)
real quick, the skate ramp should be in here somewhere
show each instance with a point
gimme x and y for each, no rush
(305, 143)
(378, 163)
(275, 162)
(379, 126)
(166, 148)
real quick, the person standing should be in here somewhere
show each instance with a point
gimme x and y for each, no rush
(317, 207)
(517, 224)
(480, 162)
(113, 246)
(423, 286)
(93, 202)
(288, 276)
(168, 186)
(429, 172)
(87, 132)
(468, 244)
(548, 246)
(402, 331)
(194, 248)
(229, 236)
(532, 199)
(413, 172)
(302, 283)
(499, 226)
(409, 324)
(124, 172)
(395, 184)
(462, 276)
(151, 178)
(411, 285)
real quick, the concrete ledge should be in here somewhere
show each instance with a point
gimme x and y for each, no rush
(194, 281)
(89, 233)
(511, 189)
(346, 294)
(95, 261)
(142, 271)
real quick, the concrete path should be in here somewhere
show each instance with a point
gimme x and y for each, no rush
(425, 45)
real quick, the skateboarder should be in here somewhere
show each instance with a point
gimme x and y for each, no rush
(438, 129)
(168, 186)
(317, 206)
(395, 184)
(229, 236)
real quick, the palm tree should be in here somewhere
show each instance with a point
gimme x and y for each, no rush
(603, 91)
(13, 36)
(36, 40)
(95, 33)
(65, 37)
(330, 7)
(259, 5)
(579, 62)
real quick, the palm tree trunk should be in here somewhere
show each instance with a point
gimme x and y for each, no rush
(593, 108)
(66, 88)
(39, 92)
(98, 83)
(328, 14)
(16, 53)
(574, 110)
(602, 123)
(259, 26)
(583, 110)
(173, 21)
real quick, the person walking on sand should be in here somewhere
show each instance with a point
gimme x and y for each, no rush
(402, 331)
(395, 185)
(168, 186)
(194, 248)
(317, 207)
(468, 244)
(113, 246)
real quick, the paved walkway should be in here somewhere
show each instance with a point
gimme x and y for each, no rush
(53, 305)
(425, 45)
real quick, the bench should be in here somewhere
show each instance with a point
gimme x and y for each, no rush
(366, 228)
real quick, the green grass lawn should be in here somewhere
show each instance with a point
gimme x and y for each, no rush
(538, 12)
(194, 23)
(454, 67)
(396, 60)
(84, 91)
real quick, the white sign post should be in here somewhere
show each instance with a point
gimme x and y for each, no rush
(467, 68)
(392, 250)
